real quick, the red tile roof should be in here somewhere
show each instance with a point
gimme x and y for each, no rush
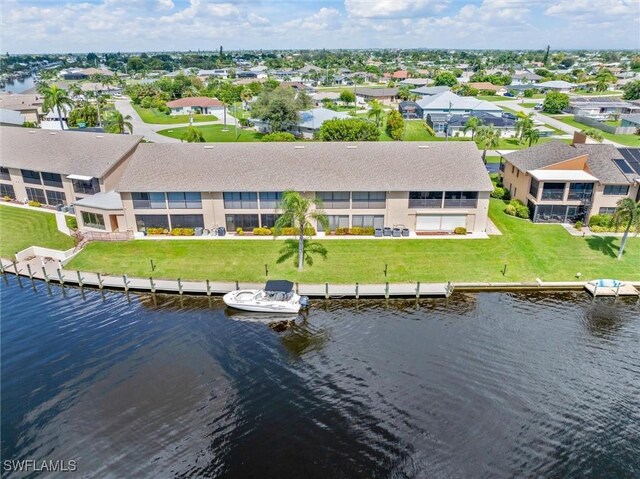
(201, 101)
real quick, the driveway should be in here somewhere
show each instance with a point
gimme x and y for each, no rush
(149, 130)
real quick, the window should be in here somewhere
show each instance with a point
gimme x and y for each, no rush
(52, 179)
(533, 188)
(184, 200)
(36, 194)
(425, 199)
(336, 221)
(580, 191)
(4, 173)
(90, 187)
(369, 199)
(31, 177)
(607, 210)
(367, 221)
(7, 190)
(269, 200)
(515, 191)
(615, 190)
(518, 174)
(240, 200)
(268, 220)
(513, 169)
(461, 199)
(334, 199)
(246, 222)
(187, 221)
(552, 191)
(93, 220)
(152, 221)
(56, 198)
(149, 200)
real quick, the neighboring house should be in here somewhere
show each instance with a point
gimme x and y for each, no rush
(217, 73)
(563, 183)
(525, 78)
(196, 104)
(83, 73)
(601, 108)
(398, 75)
(630, 121)
(383, 95)
(430, 90)
(11, 118)
(249, 74)
(51, 121)
(310, 69)
(487, 86)
(438, 108)
(410, 110)
(560, 86)
(456, 123)
(435, 187)
(416, 82)
(101, 88)
(61, 168)
(310, 122)
(298, 86)
(325, 95)
(28, 105)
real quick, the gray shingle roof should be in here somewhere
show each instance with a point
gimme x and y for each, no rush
(599, 162)
(63, 152)
(372, 166)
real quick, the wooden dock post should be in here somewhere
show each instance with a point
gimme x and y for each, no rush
(126, 283)
(357, 291)
(15, 267)
(80, 279)
(595, 290)
(60, 277)
(1, 267)
(208, 288)
(617, 289)
(30, 272)
(99, 281)
(326, 290)
(418, 290)
(297, 288)
(449, 289)
(153, 285)
(44, 272)
(179, 286)
(237, 285)
(386, 290)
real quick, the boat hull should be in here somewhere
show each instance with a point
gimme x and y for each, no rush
(235, 299)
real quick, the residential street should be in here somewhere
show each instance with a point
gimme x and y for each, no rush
(149, 130)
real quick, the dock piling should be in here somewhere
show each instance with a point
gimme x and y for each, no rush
(44, 273)
(237, 285)
(386, 290)
(179, 286)
(15, 267)
(126, 282)
(99, 281)
(418, 290)
(617, 289)
(357, 291)
(29, 271)
(326, 290)
(80, 279)
(153, 285)
(60, 277)
(208, 288)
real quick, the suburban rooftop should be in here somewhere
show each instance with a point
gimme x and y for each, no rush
(313, 166)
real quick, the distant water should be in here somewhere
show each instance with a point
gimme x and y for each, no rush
(489, 385)
(20, 86)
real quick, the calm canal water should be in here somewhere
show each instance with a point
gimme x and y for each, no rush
(486, 385)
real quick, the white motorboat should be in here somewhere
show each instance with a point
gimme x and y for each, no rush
(277, 296)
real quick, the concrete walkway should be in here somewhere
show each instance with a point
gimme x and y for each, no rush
(149, 130)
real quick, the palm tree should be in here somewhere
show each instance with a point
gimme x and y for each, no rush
(296, 210)
(523, 123)
(57, 98)
(116, 123)
(627, 211)
(473, 123)
(375, 111)
(75, 89)
(192, 135)
(602, 84)
(594, 134)
(488, 137)
(246, 95)
(532, 135)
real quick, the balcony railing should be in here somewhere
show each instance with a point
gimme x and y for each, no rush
(419, 203)
(579, 196)
(461, 203)
(552, 194)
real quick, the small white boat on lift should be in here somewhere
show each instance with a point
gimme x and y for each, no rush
(277, 296)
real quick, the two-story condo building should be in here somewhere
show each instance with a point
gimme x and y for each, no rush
(563, 183)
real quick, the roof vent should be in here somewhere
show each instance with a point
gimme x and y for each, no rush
(208, 147)
(31, 132)
(423, 147)
(52, 132)
(99, 136)
(352, 147)
(298, 147)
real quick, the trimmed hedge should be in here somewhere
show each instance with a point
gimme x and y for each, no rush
(517, 208)
(601, 220)
(35, 204)
(262, 231)
(460, 230)
(293, 231)
(355, 231)
(158, 231)
(182, 232)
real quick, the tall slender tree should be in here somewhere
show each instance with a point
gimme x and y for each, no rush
(473, 123)
(375, 111)
(116, 123)
(627, 211)
(57, 98)
(487, 137)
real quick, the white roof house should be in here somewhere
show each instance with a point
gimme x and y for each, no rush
(557, 85)
(310, 121)
(11, 118)
(448, 102)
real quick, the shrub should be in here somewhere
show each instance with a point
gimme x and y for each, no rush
(177, 231)
(239, 231)
(510, 210)
(293, 231)
(460, 230)
(7, 198)
(499, 192)
(341, 231)
(579, 225)
(522, 211)
(243, 122)
(601, 220)
(72, 222)
(262, 231)
(606, 229)
(359, 231)
(159, 231)
(35, 204)
(278, 136)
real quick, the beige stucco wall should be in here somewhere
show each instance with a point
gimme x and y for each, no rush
(516, 181)
(609, 201)
(19, 186)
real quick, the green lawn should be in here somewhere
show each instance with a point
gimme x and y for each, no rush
(214, 133)
(151, 115)
(495, 98)
(530, 251)
(21, 228)
(627, 140)
(528, 105)
(493, 159)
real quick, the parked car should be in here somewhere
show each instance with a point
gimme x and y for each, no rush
(539, 106)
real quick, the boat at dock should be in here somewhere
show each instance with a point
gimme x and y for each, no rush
(277, 296)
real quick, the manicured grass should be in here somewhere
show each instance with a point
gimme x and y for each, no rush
(528, 105)
(214, 133)
(493, 159)
(627, 140)
(530, 251)
(151, 115)
(21, 228)
(495, 98)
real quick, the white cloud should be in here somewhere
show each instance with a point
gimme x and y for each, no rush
(393, 8)
(165, 4)
(597, 7)
(324, 19)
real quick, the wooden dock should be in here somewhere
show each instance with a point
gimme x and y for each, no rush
(622, 290)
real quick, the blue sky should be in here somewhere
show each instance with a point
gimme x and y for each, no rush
(158, 25)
